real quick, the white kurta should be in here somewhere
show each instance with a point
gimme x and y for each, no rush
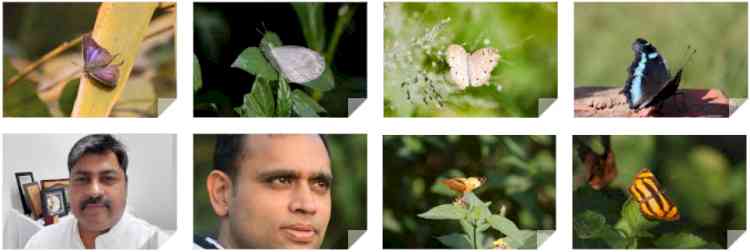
(129, 233)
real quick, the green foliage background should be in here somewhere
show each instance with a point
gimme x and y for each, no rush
(524, 33)
(703, 175)
(348, 162)
(520, 173)
(718, 31)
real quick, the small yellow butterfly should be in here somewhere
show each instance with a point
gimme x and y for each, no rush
(654, 204)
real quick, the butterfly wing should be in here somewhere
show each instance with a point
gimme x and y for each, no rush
(654, 203)
(481, 63)
(455, 184)
(107, 75)
(668, 91)
(298, 64)
(93, 54)
(458, 60)
(647, 75)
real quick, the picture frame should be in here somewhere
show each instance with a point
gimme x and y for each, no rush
(49, 183)
(33, 197)
(23, 178)
(54, 202)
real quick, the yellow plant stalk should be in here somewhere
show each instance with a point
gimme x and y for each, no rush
(120, 28)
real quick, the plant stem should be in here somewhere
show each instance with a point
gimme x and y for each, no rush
(341, 23)
(475, 236)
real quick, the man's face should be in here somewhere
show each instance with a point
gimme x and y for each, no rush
(98, 191)
(282, 196)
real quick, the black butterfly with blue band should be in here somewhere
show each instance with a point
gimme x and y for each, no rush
(649, 80)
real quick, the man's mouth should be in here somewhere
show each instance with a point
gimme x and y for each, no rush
(93, 206)
(300, 233)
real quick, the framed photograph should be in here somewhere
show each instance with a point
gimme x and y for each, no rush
(23, 178)
(54, 202)
(50, 183)
(33, 198)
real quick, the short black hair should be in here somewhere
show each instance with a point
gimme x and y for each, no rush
(98, 144)
(229, 148)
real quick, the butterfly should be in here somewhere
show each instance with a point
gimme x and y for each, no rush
(464, 185)
(601, 169)
(649, 80)
(298, 64)
(97, 63)
(471, 69)
(654, 204)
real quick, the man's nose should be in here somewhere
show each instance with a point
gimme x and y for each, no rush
(304, 200)
(95, 188)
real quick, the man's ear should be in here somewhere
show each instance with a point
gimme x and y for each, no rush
(219, 187)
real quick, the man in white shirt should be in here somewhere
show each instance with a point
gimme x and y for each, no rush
(98, 195)
(269, 191)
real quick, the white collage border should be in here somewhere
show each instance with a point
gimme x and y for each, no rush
(557, 120)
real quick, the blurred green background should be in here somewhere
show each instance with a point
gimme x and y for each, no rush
(416, 72)
(348, 155)
(31, 30)
(718, 31)
(520, 173)
(704, 176)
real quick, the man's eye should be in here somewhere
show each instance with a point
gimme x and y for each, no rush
(109, 179)
(79, 179)
(284, 180)
(323, 185)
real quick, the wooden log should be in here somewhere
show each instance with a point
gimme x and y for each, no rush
(609, 102)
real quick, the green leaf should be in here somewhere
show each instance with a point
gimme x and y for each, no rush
(21, 100)
(68, 97)
(268, 42)
(252, 61)
(457, 241)
(472, 200)
(502, 224)
(632, 222)
(323, 83)
(589, 224)
(259, 102)
(313, 26)
(283, 99)
(197, 77)
(679, 241)
(444, 212)
(304, 105)
(524, 239)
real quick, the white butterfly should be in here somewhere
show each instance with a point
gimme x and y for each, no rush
(298, 64)
(471, 69)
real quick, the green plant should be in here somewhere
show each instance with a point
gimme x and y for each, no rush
(475, 219)
(260, 102)
(631, 230)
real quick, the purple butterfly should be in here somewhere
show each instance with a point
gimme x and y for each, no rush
(97, 63)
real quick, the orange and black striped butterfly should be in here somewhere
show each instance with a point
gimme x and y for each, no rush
(654, 204)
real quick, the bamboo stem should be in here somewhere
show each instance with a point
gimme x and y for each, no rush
(120, 28)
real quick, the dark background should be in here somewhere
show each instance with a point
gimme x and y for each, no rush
(704, 176)
(224, 30)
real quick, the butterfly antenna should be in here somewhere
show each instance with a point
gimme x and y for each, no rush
(689, 55)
